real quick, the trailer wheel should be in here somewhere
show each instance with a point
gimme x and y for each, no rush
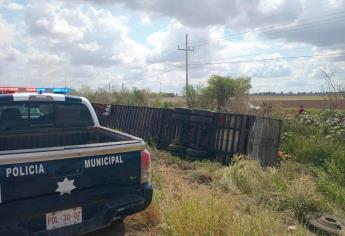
(177, 149)
(196, 153)
(199, 112)
(326, 224)
(180, 110)
(181, 117)
(201, 119)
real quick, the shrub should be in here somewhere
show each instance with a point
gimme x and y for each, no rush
(274, 188)
(310, 150)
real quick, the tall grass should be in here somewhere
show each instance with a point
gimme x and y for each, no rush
(323, 157)
(284, 189)
(181, 206)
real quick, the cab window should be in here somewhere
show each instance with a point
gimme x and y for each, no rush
(25, 115)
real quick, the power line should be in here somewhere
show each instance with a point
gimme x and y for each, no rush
(330, 17)
(268, 59)
(262, 53)
(280, 28)
(333, 16)
(269, 27)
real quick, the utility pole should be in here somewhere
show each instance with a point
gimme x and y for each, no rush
(186, 49)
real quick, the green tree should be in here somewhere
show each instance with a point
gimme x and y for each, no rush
(190, 93)
(221, 88)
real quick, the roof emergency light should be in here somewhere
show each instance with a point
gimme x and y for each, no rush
(40, 90)
(4, 90)
(30, 89)
(8, 90)
(61, 90)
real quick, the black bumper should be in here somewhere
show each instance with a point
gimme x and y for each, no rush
(100, 208)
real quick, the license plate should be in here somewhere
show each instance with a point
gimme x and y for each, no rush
(63, 218)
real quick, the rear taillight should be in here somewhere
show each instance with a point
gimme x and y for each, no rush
(145, 167)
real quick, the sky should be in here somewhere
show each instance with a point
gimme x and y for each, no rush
(282, 45)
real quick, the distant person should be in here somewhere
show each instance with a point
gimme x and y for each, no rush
(300, 110)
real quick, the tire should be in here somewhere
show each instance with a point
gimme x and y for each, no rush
(196, 153)
(181, 117)
(325, 224)
(199, 112)
(201, 119)
(117, 228)
(180, 110)
(177, 149)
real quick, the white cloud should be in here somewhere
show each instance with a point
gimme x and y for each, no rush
(13, 6)
(45, 43)
(261, 15)
(6, 32)
(50, 20)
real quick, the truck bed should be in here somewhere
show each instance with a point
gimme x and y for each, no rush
(57, 137)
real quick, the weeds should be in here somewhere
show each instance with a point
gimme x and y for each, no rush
(183, 207)
(273, 188)
(201, 176)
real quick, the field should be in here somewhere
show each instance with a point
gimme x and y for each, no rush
(287, 98)
(309, 102)
(284, 102)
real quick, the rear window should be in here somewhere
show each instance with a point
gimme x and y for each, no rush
(26, 115)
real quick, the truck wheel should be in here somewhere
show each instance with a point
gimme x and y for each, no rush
(325, 224)
(180, 110)
(117, 228)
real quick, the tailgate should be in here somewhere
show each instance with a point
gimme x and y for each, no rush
(66, 176)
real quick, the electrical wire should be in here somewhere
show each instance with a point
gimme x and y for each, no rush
(269, 59)
(280, 29)
(261, 53)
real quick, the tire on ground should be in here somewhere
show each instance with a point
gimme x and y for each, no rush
(326, 224)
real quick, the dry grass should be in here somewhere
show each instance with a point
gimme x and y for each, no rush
(183, 206)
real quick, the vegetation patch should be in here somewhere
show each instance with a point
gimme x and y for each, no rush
(201, 176)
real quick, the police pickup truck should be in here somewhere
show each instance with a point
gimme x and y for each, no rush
(61, 173)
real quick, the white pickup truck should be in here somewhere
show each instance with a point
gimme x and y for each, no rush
(61, 173)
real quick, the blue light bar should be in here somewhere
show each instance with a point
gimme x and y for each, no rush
(61, 90)
(40, 90)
